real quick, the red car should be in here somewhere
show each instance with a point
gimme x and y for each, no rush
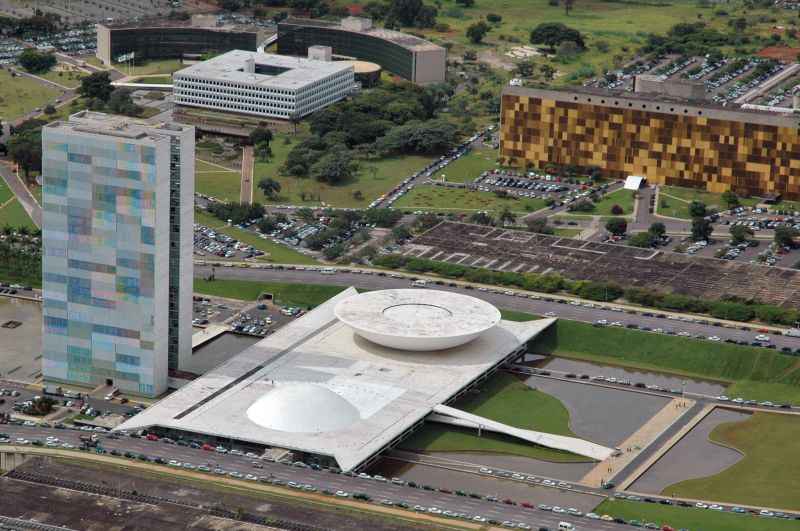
(207, 447)
(527, 505)
(151, 437)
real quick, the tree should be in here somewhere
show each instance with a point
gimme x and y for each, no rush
(260, 134)
(697, 209)
(49, 109)
(642, 239)
(567, 51)
(481, 218)
(617, 226)
(551, 34)
(25, 148)
(538, 225)
(263, 151)
(548, 72)
(701, 229)
(334, 167)
(36, 62)
(506, 217)
(525, 68)
(657, 229)
(730, 198)
(740, 234)
(465, 3)
(477, 31)
(96, 85)
(784, 236)
(494, 18)
(120, 102)
(617, 210)
(270, 187)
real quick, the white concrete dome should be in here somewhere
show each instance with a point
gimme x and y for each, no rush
(417, 319)
(303, 408)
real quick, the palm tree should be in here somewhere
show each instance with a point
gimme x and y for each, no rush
(270, 187)
(23, 230)
(8, 230)
(506, 217)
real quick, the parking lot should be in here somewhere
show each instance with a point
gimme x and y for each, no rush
(536, 185)
(726, 79)
(209, 242)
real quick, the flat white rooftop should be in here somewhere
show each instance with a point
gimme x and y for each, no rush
(280, 71)
(317, 386)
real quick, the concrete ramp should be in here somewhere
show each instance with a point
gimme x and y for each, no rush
(456, 417)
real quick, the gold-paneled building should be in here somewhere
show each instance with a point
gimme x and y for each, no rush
(668, 140)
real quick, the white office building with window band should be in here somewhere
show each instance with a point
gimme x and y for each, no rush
(268, 85)
(354, 377)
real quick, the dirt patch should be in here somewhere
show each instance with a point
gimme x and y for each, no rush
(780, 53)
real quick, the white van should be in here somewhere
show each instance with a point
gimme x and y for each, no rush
(566, 526)
(420, 284)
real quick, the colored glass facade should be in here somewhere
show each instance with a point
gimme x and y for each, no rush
(112, 255)
(751, 153)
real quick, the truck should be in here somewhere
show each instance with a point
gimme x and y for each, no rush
(54, 390)
(792, 332)
(89, 440)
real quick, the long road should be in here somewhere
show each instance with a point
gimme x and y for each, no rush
(506, 299)
(321, 480)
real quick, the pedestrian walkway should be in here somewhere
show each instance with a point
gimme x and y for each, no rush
(634, 445)
(248, 162)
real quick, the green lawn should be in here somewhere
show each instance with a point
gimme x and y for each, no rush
(66, 78)
(506, 399)
(155, 80)
(567, 233)
(440, 198)
(622, 198)
(13, 214)
(678, 355)
(20, 95)
(673, 201)
(305, 295)
(469, 166)
(213, 181)
(691, 518)
(375, 178)
(159, 66)
(5, 192)
(513, 315)
(768, 475)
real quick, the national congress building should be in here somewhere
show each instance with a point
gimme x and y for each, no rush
(665, 132)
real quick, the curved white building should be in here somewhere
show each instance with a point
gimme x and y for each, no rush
(351, 378)
(417, 319)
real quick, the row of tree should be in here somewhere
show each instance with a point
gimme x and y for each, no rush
(726, 308)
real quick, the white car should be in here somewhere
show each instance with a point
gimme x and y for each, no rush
(701, 505)
(762, 337)
(714, 338)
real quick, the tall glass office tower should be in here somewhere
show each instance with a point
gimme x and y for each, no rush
(117, 236)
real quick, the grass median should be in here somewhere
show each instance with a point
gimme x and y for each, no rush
(691, 518)
(765, 374)
(506, 399)
(769, 473)
(304, 295)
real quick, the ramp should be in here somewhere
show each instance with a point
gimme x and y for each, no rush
(456, 417)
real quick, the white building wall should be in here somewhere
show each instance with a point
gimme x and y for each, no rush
(260, 99)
